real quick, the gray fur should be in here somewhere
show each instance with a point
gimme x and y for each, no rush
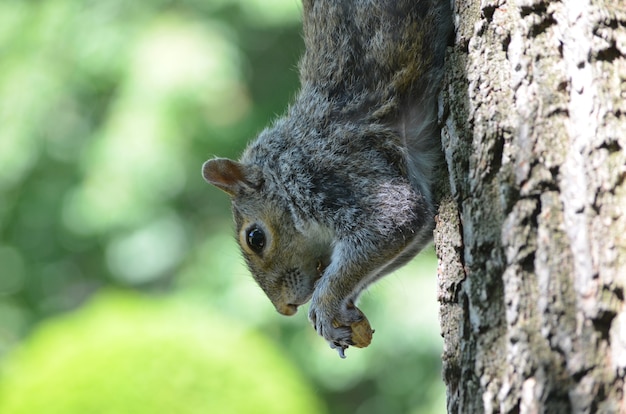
(341, 185)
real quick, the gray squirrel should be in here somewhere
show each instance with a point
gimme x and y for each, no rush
(338, 192)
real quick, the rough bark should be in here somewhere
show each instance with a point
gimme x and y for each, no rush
(532, 240)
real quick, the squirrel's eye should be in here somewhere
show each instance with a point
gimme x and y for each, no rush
(255, 239)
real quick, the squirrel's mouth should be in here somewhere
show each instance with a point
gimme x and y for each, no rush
(288, 309)
(291, 308)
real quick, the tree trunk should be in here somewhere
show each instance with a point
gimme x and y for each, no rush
(532, 240)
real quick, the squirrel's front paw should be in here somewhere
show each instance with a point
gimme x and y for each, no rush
(341, 327)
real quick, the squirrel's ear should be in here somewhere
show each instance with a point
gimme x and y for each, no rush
(230, 176)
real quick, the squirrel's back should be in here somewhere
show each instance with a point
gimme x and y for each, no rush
(371, 72)
(374, 54)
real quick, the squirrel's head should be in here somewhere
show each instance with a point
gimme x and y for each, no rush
(284, 258)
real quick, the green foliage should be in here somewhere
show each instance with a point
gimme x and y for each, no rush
(123, 354)
(107, 111)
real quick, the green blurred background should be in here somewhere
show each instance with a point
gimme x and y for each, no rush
(114, 253)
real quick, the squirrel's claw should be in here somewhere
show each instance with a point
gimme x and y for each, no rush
(340, 349)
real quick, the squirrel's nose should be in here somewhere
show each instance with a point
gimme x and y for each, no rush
(288, 309)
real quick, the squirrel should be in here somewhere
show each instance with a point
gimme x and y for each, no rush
(338, 192)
